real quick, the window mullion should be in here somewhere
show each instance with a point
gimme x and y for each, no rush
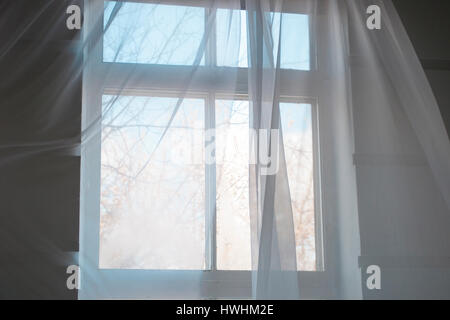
(210, 178)
(210, 185)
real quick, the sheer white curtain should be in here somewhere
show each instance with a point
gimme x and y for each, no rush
(391, 94)
(390, 60)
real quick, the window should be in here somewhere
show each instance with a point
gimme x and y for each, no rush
(161, 207)
(232, 201)
(153, 33)
(152, 212)
(232, 185)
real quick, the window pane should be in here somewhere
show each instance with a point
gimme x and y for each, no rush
(153, 33)
(232, 39)
(232, 158)
(232, 200)
(296, 123)
(295, 47)
(152, 197)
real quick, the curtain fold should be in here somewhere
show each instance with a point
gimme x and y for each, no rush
(273, 247)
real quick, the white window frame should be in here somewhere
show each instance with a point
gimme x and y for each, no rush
(164, 80)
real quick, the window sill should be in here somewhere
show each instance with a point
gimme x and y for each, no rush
(192, 284)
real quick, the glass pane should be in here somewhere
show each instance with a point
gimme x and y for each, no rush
(296, 123)
(295, 46)
(232, 39)
(232, 200)
(153, 33)
(232, 158)
(152, 197)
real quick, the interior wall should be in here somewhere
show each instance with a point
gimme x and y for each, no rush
(39, 134)
(427, 25)
(405, 231)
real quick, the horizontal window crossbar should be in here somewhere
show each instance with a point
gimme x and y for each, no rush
(225, 80)
(289, 6)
